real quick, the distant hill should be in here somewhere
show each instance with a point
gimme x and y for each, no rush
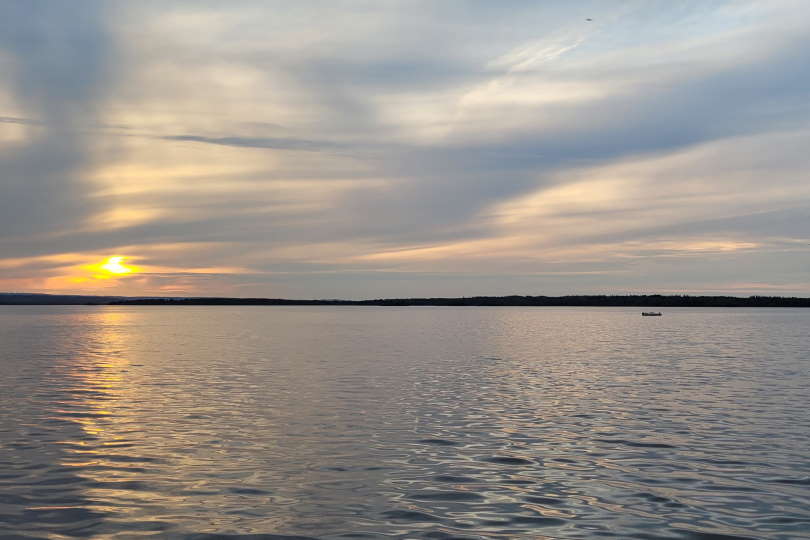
(642, 300)
(54, 299)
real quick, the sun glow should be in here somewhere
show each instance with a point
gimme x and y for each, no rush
(113, 265)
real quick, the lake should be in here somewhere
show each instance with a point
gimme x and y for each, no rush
(253, 422)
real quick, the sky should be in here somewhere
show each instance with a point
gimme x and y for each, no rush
(366, 149)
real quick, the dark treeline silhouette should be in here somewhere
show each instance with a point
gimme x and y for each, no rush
(647, 300)
(24, 299)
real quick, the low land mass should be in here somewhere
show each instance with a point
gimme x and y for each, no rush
(642, 300)
(574, 300)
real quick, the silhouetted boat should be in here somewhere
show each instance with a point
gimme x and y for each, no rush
(650, 313)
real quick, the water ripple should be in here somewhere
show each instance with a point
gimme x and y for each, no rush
(300, 423)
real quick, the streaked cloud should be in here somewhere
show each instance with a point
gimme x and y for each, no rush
(353, 149)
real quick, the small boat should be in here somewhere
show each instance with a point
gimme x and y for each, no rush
(650, 313)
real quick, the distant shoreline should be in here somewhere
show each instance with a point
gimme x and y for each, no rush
(649, 300)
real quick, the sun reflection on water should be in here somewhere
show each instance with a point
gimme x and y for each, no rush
(105, 453)
(308, 421)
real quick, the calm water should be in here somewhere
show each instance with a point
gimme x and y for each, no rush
(368, 422)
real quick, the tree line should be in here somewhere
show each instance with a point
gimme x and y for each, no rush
(643, 300)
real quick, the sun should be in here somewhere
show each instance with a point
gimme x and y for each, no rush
(113, 265)
(110, 268)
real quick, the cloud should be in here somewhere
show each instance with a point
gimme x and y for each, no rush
(57, 59)
(20, 121)
(331, 140)
(454, 182)
(254, 142)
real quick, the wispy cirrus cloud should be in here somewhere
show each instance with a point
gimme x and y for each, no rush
(254, 142)
(350, 148)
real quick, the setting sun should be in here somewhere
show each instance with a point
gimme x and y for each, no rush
(114, 266)
(111, 267)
